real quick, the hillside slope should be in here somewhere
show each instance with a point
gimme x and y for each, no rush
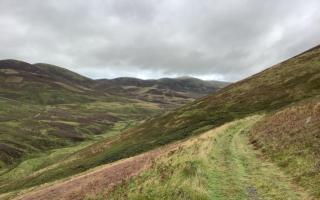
(45, 107)
(28, 83)
(288, 83)
(50, 114)
(64, 73)
(216, 165)
(290, 137)
(219, 164)
(59, 107)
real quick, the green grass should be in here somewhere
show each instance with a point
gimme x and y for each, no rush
(30, 128)
(39, 135)
(39, 161)
(13, 124)
(34, 163)
(239, 172)
(220, 164)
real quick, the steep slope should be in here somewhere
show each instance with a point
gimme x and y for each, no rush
(288, 82)
(278, 87)
(216, 165)
(275, 156)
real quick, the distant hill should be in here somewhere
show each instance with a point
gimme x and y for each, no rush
(42, 84)
(65, 74)
(45, 106)
(164, 91)
(181, 84)
(50, 84)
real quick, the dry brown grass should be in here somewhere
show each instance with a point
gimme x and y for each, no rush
(291, 138)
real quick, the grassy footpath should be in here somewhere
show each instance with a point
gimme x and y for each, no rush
(239, 172)
(219, 164)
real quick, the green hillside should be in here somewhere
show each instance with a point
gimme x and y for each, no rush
(286, 83)
(283, 85)
(44, 107)
(266, 145)
(217, 165)
(50, 115)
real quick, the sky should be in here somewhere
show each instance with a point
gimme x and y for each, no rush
(224, 40)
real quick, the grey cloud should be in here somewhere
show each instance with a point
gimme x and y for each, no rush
(220, 39)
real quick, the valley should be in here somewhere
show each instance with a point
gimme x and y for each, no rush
(53, 118)
(271, 153)
(268, 151)
(159, 100)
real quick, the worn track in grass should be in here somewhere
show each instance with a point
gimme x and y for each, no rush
(241, 172)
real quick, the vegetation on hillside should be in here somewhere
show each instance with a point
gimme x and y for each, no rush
(291, 138)
(276, 90)
(52, 116)
(220, 164)
(277, 87)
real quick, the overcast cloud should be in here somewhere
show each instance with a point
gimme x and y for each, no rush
(210, 39)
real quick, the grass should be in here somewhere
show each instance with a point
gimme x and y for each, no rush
(39, 161)
(290, 138)
(220, 164)
(239, 172)
(35, 163)
(30, 128)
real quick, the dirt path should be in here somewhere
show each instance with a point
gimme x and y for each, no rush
(97, 180)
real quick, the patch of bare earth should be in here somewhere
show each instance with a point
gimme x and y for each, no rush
(100, 180)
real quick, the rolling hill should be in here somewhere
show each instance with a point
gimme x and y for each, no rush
(49, 84)
(44, 107)
(261, 130)
(49, 113)
(165, 91)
